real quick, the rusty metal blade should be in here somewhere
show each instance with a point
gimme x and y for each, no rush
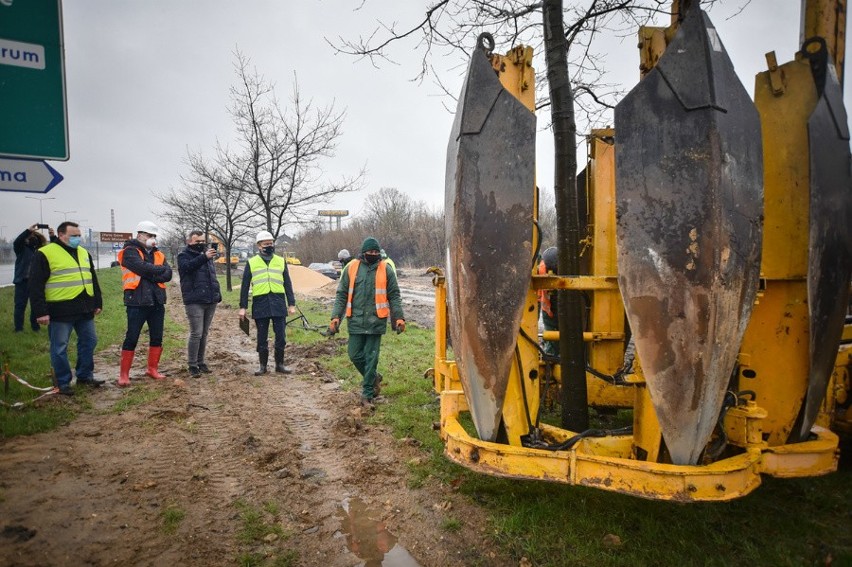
(488, 211)
(689, 202)
(830, 233)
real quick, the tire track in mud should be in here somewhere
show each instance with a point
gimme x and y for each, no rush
(96, 492)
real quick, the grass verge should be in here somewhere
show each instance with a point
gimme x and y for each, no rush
(27, 355)
(784, 522)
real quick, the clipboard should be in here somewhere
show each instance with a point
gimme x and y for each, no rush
(244, 325)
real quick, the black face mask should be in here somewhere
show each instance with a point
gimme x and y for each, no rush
(197, 247)
(267, 250)
(372, 259)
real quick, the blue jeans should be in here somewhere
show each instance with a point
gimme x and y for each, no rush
(154, 315)
(22, 296)
(87, 339)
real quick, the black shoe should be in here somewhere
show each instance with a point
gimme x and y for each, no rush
(260, 371)
(204, 368)
(66, 390)
(195, 371)
(91, 382)
(281, 369)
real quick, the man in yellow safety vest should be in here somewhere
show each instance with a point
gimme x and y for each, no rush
(65, 295)
(272, 298)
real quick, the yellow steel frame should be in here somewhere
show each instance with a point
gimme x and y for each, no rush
(629, 464)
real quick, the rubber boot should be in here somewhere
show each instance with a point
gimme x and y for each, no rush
(154, 354)
(263, 356)
(279, 362)
(377, 385)
(124, 369)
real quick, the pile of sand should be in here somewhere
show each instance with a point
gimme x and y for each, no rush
(305, 279)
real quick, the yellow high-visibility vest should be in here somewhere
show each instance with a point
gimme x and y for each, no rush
(267, 278)
(68, 277)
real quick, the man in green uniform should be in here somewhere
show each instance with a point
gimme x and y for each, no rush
(368, 296)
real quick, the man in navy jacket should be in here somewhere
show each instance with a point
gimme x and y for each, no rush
(200, 290)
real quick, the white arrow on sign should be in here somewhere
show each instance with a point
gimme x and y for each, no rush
(29, 176)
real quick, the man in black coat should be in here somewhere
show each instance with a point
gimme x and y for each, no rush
(25, 247)
(267, 276)
(200, 290)
(144, 273)
(65, 296)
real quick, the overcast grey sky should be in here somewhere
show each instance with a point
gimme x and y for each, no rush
(146, 80)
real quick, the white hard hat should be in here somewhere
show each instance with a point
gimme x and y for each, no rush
(264, 235)
(343, 254)
(148, 227)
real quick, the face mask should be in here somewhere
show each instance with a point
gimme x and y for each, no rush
(73, 241)
(370, 259)
(267, 250)
(151, 242)
(197, 247)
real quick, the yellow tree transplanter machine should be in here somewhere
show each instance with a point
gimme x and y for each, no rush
(717, 226)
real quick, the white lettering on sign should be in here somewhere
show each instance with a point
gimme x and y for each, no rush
(20, 54)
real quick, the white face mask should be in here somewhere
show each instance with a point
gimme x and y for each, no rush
(151, 242)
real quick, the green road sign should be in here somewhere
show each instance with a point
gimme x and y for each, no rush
(32, 80)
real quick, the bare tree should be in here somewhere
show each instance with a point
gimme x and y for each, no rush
(281, 150)
(563, 37)
(234, 207)
(212, 202)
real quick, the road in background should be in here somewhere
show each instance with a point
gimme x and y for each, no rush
(103, 260)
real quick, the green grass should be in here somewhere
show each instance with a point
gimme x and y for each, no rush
(784, 522)
(27, 355)
(172, 517)
(256, 523)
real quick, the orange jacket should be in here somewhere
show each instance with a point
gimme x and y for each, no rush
(544, 294)
(129, 279)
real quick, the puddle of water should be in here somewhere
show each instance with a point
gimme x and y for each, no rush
(368, 538)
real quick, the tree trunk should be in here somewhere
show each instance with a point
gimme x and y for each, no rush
(575, 412)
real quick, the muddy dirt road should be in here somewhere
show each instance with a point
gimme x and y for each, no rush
(273, 468)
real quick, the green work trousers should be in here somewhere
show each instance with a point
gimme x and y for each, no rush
(364, 354)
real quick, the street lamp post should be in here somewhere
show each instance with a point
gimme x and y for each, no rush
(66, 213)
(41, 201)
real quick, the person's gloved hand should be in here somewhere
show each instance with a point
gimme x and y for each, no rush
(400, 326)
(334, 326)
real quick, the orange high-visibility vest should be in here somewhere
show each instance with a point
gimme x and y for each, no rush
(130, 279)
(544, 294)
(382, 303)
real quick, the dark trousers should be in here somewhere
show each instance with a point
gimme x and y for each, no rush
(154, 315)
(364, 354)
(263, 333)
(22, 296)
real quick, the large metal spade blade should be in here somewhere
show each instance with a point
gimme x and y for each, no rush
(830, 234)
(689, 190)
(488, 207)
